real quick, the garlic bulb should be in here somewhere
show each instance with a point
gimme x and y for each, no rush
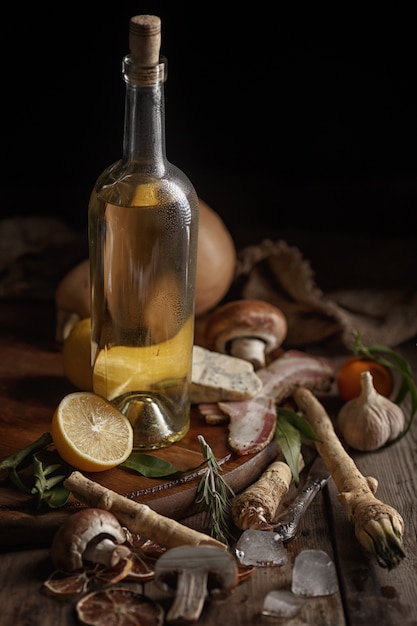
(369, 421)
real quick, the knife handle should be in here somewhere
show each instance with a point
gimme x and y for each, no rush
(289, 521)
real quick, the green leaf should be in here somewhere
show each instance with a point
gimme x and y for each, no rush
(153, 466)
(48, 486)
(290, 431)
(17, 459)
(289, 440)
(150, 466)
(300, 423)
(56, 496)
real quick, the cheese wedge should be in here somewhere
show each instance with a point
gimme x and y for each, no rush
(218, 377)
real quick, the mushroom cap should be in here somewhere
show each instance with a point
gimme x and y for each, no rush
(74, 534)
(246, 318)
(198, 561)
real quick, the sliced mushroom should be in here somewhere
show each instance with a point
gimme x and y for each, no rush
(248, 329)
(194, 573)
(93, 535)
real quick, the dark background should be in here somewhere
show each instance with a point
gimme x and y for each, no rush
(301, 121)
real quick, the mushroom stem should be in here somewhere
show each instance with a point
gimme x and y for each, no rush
(194, 573)
(250, 349)
(234, 327)
(105, 552)
(89, 534)
(190, 596)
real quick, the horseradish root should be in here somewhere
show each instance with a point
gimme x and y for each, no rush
(256, 507)
(138, 518)
(378, 527)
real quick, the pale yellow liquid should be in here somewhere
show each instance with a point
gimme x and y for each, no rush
(143, 312)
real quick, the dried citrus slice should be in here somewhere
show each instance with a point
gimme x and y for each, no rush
(105, 576)
(117, 605)
(90, 433)
(63, 584)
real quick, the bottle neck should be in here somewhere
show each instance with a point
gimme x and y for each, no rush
(144, 122)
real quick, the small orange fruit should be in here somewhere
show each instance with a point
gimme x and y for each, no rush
(90, 433)
(349, 377)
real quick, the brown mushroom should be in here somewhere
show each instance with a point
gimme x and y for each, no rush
(92, 535)
(194, 573)
(248, 329)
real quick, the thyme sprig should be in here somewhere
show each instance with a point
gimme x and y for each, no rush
(214, 497)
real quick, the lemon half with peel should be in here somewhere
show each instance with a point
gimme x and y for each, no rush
(90, 433)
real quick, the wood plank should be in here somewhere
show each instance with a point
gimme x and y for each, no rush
(373, 594)
(22, 574)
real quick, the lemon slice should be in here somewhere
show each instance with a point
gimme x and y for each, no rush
(89, 432)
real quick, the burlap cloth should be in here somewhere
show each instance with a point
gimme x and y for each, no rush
(36, 252)
(277, 272)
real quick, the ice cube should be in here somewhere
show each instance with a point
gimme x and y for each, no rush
(261, 548)
(282, 604)
(314, 574)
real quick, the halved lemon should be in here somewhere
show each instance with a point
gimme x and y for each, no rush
(90, 433)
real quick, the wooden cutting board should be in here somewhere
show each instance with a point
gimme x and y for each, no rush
(32, 384)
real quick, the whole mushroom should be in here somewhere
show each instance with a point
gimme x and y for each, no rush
(247, 329)
(194, 573)
(92, 535)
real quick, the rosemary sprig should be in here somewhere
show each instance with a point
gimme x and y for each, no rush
(214, 497)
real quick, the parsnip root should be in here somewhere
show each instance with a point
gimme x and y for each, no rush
(256, 506)
(136, 517)
(378, 527)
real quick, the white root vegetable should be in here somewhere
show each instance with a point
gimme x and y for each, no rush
(378, 527)
(256, 506)
(138, 518)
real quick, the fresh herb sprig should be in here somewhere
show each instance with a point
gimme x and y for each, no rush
(45, 482)
(214, 496)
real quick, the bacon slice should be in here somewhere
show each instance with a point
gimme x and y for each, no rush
(252, 422)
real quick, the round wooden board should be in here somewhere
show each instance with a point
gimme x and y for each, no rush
(32, 383)
(173, 497)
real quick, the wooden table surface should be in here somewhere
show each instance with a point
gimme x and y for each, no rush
(368, 594)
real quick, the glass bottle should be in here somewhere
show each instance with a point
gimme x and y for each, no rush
(143, 231)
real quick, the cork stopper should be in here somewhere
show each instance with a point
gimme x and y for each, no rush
(145, 40)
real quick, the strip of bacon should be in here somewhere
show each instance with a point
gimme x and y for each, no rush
(252, 422)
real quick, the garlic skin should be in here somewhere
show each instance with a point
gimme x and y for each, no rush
(369, 421)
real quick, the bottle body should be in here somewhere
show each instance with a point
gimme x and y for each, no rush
(143, 248)
(143, 234)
